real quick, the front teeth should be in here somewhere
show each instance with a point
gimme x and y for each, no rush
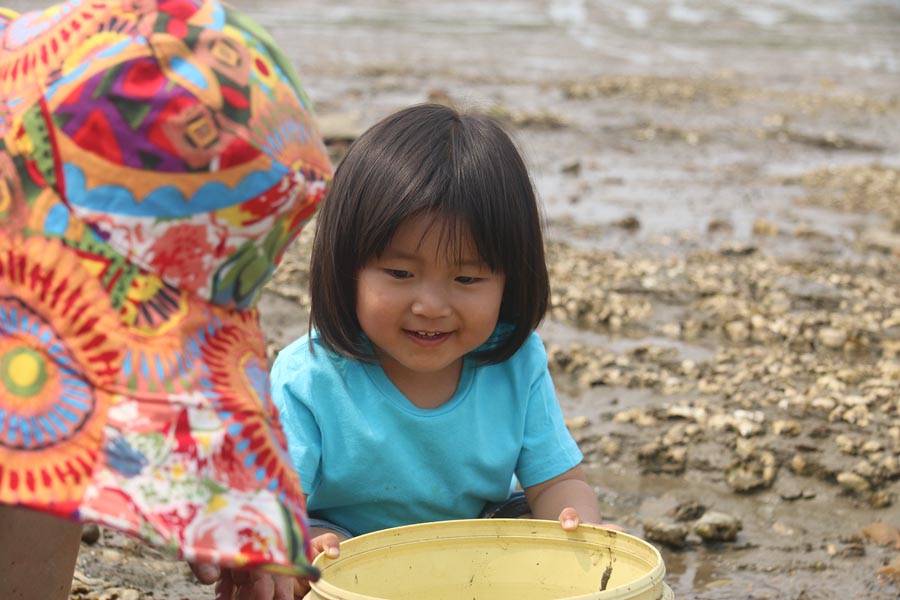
(430, 334)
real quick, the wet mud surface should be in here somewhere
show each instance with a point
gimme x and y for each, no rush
(721, 182)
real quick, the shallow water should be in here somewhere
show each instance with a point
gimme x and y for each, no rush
(761, 59)
(368, 57)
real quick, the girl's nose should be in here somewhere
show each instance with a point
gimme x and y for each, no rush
(430, 302)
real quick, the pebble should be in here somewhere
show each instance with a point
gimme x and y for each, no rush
(831, 337)
(90, 533)
(664, 532)
(716, 526)
(853, 482)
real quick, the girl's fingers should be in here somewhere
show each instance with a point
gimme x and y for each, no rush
(568, 518)
(327, 543)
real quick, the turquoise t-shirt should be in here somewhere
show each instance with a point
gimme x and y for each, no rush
(369, 459)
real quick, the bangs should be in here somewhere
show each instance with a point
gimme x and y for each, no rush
(457, 243)
(464, 186)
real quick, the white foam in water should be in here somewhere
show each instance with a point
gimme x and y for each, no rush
(761, 15)
(636, 17)
(568, 11)
(687, 14)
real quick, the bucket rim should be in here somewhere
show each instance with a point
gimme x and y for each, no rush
(419, 533)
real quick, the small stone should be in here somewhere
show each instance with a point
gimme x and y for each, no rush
(571, 167)
(881, 499)
(579, 422)
(786, 428)
(762, 227)
(90, 533)
(718, 527)
(719, 225)
(853, 551)
(783, 529)
(831, 337)
(670, 534)
(891, 571)
(672, 330)
(792, 493)
(688, 511)
(853, 482)
(870, 446)
(629, 223)
(800, 465)
(823, 404)
(882, 533)
(737, 331)
(846, 444)
(610, 447)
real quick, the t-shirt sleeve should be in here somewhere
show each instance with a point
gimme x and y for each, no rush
(548, 449)
(298, 422)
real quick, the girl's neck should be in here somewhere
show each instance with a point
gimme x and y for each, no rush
(426, 390)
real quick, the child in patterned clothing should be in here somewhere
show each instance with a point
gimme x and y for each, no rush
(156, 157)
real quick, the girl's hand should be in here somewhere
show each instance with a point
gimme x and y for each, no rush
(570, 520)
(329, 543)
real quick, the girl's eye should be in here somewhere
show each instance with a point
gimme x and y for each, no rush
(398, 273)
(467, 280)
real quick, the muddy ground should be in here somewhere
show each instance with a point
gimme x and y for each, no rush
(721, 181)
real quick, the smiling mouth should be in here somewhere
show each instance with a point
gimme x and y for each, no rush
(428, 334)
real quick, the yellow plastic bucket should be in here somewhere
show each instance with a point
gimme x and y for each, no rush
(492, 559)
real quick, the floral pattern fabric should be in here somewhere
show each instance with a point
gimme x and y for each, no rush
(156, 158)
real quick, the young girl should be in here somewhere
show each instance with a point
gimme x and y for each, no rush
(422, 392)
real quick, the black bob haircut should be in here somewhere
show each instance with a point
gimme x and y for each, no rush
(463, 170)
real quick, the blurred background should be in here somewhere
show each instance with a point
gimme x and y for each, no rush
(677, 112)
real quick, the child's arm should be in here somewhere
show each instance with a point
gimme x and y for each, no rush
(566, 497)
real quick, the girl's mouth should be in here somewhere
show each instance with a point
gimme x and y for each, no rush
(426, 336)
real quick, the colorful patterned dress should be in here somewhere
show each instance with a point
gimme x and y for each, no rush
(156, 157)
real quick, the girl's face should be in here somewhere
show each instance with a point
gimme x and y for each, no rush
(421, 309)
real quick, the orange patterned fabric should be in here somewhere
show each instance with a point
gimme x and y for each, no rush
(156, 158)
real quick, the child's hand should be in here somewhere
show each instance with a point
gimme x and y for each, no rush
(261, 585)
(570, 520)
(254, 584)
(329, 543)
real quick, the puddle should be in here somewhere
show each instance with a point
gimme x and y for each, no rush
(563, 335)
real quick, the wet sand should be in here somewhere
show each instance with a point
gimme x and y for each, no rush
(721, 184)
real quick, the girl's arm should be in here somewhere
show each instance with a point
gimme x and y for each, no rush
(566, 497)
